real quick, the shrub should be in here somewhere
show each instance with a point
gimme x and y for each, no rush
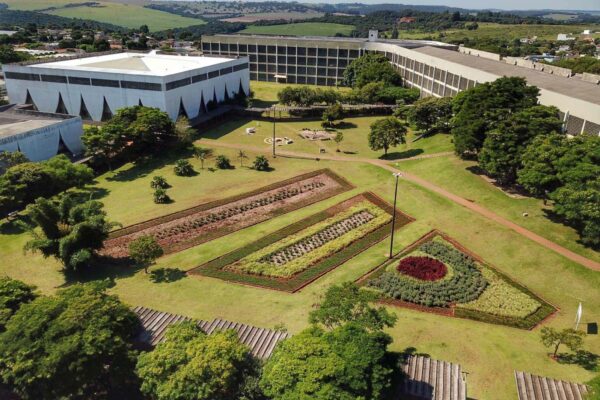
(183, 168)
(222, 162)
(466, 284)
(161, 196)
(261, 163)
(159, 182)
(423, 268)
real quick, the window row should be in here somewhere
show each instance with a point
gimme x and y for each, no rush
(306, 80)
(244, 49)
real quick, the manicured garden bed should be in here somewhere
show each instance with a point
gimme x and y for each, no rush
(292, 257)
(436, 273)
(200, 224)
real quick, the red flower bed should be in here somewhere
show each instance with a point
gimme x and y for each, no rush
(424, 268)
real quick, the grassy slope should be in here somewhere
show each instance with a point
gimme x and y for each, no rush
(492, 30)
(127, 15)
(454, 175)
(301, 29)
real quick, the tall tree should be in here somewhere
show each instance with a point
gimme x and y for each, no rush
(503, 147)
(346, 303)
(189, 365)
(371, 67)
(75, 344)
(332, 113)
(343, 364)
(71, 230)
(385, 133)
(104, 143)
(538, 173)
(431, 114)
(478, 110)
(10, 159)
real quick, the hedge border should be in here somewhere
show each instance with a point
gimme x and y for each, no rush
(344, 187)
(545, 311)
(214, 268)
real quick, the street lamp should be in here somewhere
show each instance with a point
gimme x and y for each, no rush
(397, 175)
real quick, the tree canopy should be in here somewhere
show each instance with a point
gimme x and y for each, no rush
(71, 230)
(431, 114)
(190, 365)
(343, 364)
(346, 303)
(503, 147)
(75, 344)
(371, 67)
(387, 132)
(479, 110)
(13, 294)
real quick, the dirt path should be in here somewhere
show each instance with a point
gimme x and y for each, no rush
(586, 262)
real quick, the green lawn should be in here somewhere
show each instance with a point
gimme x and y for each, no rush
(127, 15)
(456, 176)
(301, 29)
(489, 353)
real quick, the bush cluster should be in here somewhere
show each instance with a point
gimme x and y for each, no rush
(183, 168)
(371, 93)
(159, 182)
(466, 284)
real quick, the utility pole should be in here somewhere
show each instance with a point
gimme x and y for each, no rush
(397, 175)
(274, 156)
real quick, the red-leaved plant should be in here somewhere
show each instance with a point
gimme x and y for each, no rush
(424, 268)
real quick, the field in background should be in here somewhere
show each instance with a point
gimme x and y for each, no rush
(301, 29)
(291, 15)
(510, 32)
(126, 15)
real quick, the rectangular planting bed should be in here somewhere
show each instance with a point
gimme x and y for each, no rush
(436, 274)
(205, 222)
(296, 255)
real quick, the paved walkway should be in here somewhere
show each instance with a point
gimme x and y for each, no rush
(586, 262)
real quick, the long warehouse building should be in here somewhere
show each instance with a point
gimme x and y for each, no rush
(436, 68)
(96, 87)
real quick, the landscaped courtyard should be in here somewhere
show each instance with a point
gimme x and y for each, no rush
(308, 237)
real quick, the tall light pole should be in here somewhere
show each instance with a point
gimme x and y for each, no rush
(274, 156)
(397, 175)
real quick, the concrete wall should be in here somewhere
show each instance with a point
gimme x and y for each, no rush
(590, 77)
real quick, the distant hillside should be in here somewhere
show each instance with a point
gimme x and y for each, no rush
(10, 18)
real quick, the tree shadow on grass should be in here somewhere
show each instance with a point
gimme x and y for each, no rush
(166, 275)
(559, 219)
(585, 359)
(345, 125)
(145, 166)
(399, 155)
(103, 268)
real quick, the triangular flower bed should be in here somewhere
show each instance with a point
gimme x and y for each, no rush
(436, 274)
(292, 257)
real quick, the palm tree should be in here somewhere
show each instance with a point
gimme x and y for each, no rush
(241, 156)
(202, 154)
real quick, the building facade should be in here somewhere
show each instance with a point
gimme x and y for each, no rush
(94, 88)
(39, 135)
(437, 69)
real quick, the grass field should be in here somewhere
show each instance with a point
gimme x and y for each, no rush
(127, 15)
(301, 29)
(508, 31)
(488, 353)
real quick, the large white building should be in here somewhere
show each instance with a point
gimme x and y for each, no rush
(94, 88)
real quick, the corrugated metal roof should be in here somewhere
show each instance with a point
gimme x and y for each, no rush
(426, 378)
(533, 387)
(261, 341)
